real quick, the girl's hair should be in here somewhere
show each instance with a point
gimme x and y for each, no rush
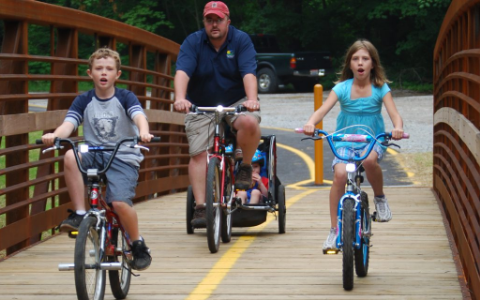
(104, 53)
(377, 76)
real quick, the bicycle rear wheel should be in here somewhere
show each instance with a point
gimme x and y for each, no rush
(213, 211)
(282, 211)
(120, 279)
(89, 278)
(362, 255)
(348, 239)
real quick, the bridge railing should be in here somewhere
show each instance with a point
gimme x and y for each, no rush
(33, 195)
(456, 173)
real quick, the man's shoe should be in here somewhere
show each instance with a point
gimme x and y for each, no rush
(331, 241)
(71, 223)
(243, 179)
(141, 255)
(199, 220)
(383, 210)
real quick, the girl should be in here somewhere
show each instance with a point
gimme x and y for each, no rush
(361, 91)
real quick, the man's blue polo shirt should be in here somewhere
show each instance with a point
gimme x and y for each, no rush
(217, 77)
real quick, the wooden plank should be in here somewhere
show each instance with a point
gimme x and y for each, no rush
(410, 258)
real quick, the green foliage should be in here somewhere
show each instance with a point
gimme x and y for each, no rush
(404, 31)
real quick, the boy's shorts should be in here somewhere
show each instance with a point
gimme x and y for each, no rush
(200, 128)
(121, 177)
(347, 151)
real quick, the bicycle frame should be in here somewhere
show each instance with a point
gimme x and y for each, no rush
(219, 144)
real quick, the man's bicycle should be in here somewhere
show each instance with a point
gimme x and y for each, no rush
(220, 180)
(353, 214)
(101, 241)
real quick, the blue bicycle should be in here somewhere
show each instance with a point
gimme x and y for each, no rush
(354, 221)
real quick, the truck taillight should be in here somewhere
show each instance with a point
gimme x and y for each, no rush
(293, 63)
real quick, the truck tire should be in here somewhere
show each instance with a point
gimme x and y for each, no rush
(267, 81)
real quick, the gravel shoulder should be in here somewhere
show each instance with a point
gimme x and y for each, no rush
(289, 111)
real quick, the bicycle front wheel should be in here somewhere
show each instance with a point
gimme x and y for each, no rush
(120, 279)
(362, 255)
(89, 278)
(348, 240)
(213, 211)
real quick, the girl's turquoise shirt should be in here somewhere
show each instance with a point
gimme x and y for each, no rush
(366, 111)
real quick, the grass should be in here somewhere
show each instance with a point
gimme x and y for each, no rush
(419, 167)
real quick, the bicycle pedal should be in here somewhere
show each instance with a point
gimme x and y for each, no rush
(72, 234)
(330, 251)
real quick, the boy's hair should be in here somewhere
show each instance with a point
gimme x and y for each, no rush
(104, 53)
(377, 75)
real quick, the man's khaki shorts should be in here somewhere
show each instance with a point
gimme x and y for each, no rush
(201, 128)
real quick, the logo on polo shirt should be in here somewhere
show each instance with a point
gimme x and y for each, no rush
(230, 54)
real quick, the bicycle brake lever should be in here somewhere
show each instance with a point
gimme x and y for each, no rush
(141, 147)
(310, 138)
(387, 144)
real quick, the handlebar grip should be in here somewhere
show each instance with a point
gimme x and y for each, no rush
(155, 139)
(299, 130)
(241, 108)
(406, 135)
(193, 108)
(38, 142)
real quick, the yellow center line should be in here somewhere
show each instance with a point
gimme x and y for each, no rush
(211, 281)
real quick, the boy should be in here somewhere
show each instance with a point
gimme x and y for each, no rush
(108, 114)
(259, 187)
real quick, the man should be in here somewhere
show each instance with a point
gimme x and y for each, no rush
(217, 66)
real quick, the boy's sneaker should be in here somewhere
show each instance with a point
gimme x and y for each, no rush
(243, 179)
(141, 255)
(331, 241)
(199, 220)
(71, 223)
(383, 210)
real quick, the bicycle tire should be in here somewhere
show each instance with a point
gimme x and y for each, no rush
(90, 280)
(362, 255)
(227, 193)
(282, 211)
(212, 205)
(348, 240)
(120, 279)
(190, 210)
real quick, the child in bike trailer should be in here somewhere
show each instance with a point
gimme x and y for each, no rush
(361, 90)
(108, 114)
(259, 188)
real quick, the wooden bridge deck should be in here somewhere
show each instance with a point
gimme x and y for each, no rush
(410, 258)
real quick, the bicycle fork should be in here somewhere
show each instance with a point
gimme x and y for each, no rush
(101, 264)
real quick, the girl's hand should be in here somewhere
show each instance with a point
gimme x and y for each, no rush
(308, 129)
(397, 134)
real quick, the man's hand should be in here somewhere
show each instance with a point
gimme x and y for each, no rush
(182, 105)
(252, 105)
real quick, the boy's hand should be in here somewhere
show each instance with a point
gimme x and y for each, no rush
(256, 177)
(48, 139)
(146, 137)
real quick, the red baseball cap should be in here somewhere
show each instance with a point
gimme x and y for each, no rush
(216, 7)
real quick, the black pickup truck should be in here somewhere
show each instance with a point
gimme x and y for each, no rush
(275, 69)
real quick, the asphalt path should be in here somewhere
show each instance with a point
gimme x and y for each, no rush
(292, 168)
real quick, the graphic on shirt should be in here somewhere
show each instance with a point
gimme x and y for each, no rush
(230, 54)
(105, 128)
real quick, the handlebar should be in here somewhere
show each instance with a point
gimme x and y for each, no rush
(212, 109)
(355, 138)
(86, 148)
